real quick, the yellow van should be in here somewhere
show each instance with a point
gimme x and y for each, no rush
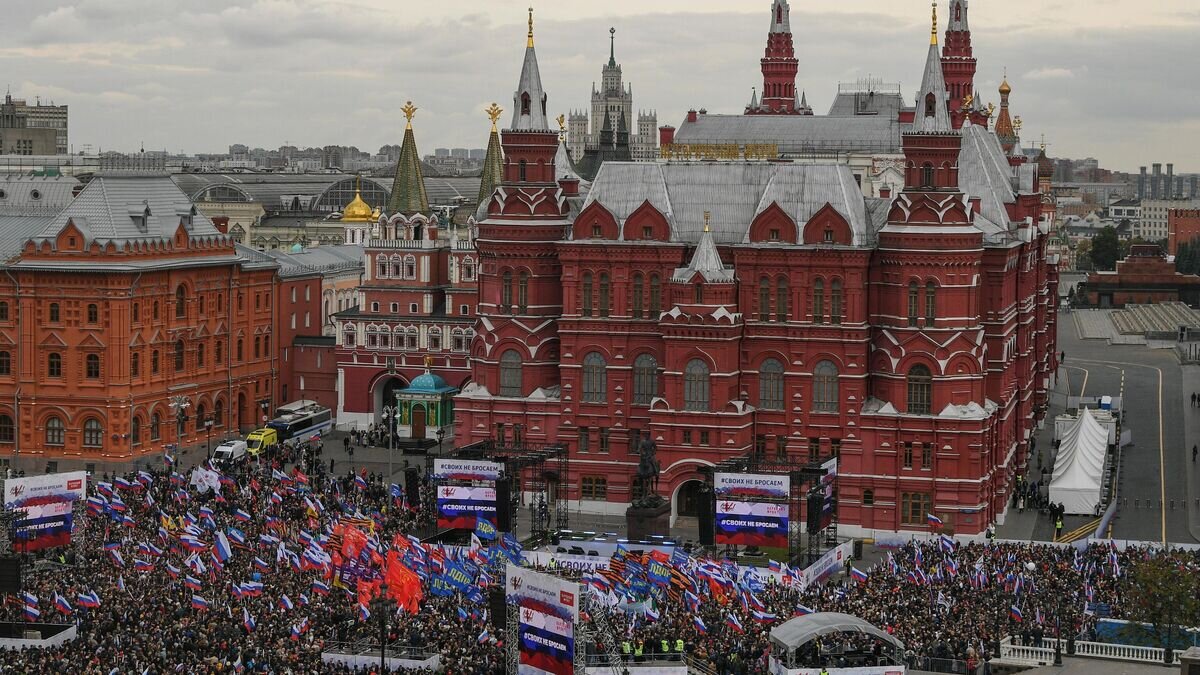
(262, 441)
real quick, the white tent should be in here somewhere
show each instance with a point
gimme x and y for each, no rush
(1079, 466)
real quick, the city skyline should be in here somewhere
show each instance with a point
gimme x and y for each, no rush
(168, 75)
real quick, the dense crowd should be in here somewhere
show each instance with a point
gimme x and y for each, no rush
(147, 587)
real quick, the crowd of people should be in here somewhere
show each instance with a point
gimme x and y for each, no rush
(166, 575)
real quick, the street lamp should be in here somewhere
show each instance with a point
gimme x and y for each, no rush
(179, 404)
(381, 606)
(208, 425)
(441, 433)
(389, 415)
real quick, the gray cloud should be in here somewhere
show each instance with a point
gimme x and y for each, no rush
(198, 76)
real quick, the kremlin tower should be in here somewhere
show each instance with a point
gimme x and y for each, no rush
(779, 66)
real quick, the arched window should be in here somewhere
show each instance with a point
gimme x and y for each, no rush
(93, 433)
(825, 387)
(782, 308)
(180, 297)
(200, 354)
(54, 313)
(8, 431)
(655, 296)
(868, 497)
(912, 303)
(585, 307)
(154, 311)
(135, 364)
(92, 366)
(698, 292)
(55, 432)
(835, 301)
(435, 340)
(930, 105)
(770, 385)
(927, 175)
(506, 292)
(201, 416)
(930, 303)
(54, 365)
(397, 267)
(155, 427)
(645, 379)
(218, 413)
(93, 313)
(523, 292)
(381, 267)
(524, 104)
(635, 307)
(5, 363)
(178, 355)
(521, 171)
(595, 378)
(135, 430)
(410, 267)
(154, 362)
(605, 296)
(764, 299)
(920, 390)
(218, 352)
(818, 301)
(510, 373)
(468, 270)
(695, 386)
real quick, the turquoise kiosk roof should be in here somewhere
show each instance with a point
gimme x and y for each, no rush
(427, 383)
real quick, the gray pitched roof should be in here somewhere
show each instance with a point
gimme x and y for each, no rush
(531, 84)
(104, 211)
(733, 193)
(958, 22)
(16, 231)
(881, 103)
(317, 259)
(932, 82)
(797, 134)
(786, 25)
(983, 171)
(23, 195)
(706, 261)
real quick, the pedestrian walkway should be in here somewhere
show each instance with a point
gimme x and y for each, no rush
(1094, 324)
(1191, 436)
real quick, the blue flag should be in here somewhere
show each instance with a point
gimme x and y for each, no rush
(484, 529)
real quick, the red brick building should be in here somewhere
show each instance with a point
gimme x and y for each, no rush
(1183, 226)
(115, 304)
(1143, 277)
(722, 309)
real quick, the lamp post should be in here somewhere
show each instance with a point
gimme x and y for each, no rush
(208, 425)
(389, 415)
(179, 404)
(441, 433)
(381, 606)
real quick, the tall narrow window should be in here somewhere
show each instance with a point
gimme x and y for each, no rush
(135, 430)
(835, 301)
(200, 354)
(55, 431)
(54, 365)
(180, 298)
(178, 355)
(930, 303)
(595, 380)
(93, 433)
(782, 306)
(635, 307)
(818, 301)
(54, 315)
(155, 427)
(154, 362)
(605, 296)
(920, 390)
(645, 379)
(506, 293)
(523, 292)
(770, 385)
(586, 291)
(696, 386)
(135, 364)
(825, 387)
(764, 299)
(927, 176)
(655, 297)
(912, 303)
(6, 363)
(93, 313)
(521, 171)
(92, 366)
(699, 294)
(510, 373)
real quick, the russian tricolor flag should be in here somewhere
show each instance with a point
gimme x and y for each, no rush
(142, 565)
(241, 515)
(934, 521)
(320, 588)
(61, 603)
(199, 602)
(364, 613)
(89, 599)
(801, 610)
(1015, 613)
(191, 582)
(699, 625)
(261, 564)
(221, 547)
(858, 575)
(360, 482)
(248, 621)
(286, 604)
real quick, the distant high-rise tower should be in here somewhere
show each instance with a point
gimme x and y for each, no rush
(614, 100)
(779, 67)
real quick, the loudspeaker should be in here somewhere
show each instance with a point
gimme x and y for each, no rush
(504, 504)
(858, 549)
(816, 501)
(497, 608)
(412, 485)
(10, 574)
(706, 516)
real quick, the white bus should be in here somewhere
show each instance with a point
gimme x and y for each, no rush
(298, 423)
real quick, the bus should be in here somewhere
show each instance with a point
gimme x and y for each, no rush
(297, 424)
(294, 407)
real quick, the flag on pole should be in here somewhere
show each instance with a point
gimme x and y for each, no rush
(933, 520)
(248, 621)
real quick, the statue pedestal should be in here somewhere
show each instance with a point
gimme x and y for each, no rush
(643, 522)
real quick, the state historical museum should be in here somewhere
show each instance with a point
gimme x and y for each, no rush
(729, 308)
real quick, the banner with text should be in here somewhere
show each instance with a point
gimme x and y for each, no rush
(548, 610)
(465, 469)
(749, 486)
(460, 508)
(43, 504)
(828, 482)
(744, 517)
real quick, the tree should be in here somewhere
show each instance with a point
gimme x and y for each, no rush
(1106, 249)
(1162, 592)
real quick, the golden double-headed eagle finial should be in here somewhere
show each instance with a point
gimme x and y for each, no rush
(991, 109)
(967, 101)
(493, 112)
(409, 110)
(1017, 123)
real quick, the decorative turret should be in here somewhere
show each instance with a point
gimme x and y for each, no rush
(529, 101)
(358, 211)
(779, 66)
(958, 67)
(932, 115)
(493, 162)
(1005, 128)
(408, 187)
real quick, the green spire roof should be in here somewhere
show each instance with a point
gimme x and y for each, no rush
(408, 188)
(493, 169)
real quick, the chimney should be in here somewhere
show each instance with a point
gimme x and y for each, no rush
(1169, 193)
(221, 223)
(1155, 186)
(1141, 192)
(885, 192)
(691, 115)
(1193, 192)
(976, 204)
(569, 186)
(666, 135)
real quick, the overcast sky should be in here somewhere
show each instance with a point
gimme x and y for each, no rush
(1113, 79)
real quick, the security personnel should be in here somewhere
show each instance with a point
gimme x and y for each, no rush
(666, 646)
(678, 649)
(637, 651)
(626, 649)
(1058, 525)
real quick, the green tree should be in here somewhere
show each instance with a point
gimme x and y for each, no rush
(1162, 592)
(1106, 249)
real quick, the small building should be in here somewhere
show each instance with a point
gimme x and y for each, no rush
(1146, 276)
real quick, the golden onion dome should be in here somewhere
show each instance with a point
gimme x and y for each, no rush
(1005, 89)
(357, 210)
